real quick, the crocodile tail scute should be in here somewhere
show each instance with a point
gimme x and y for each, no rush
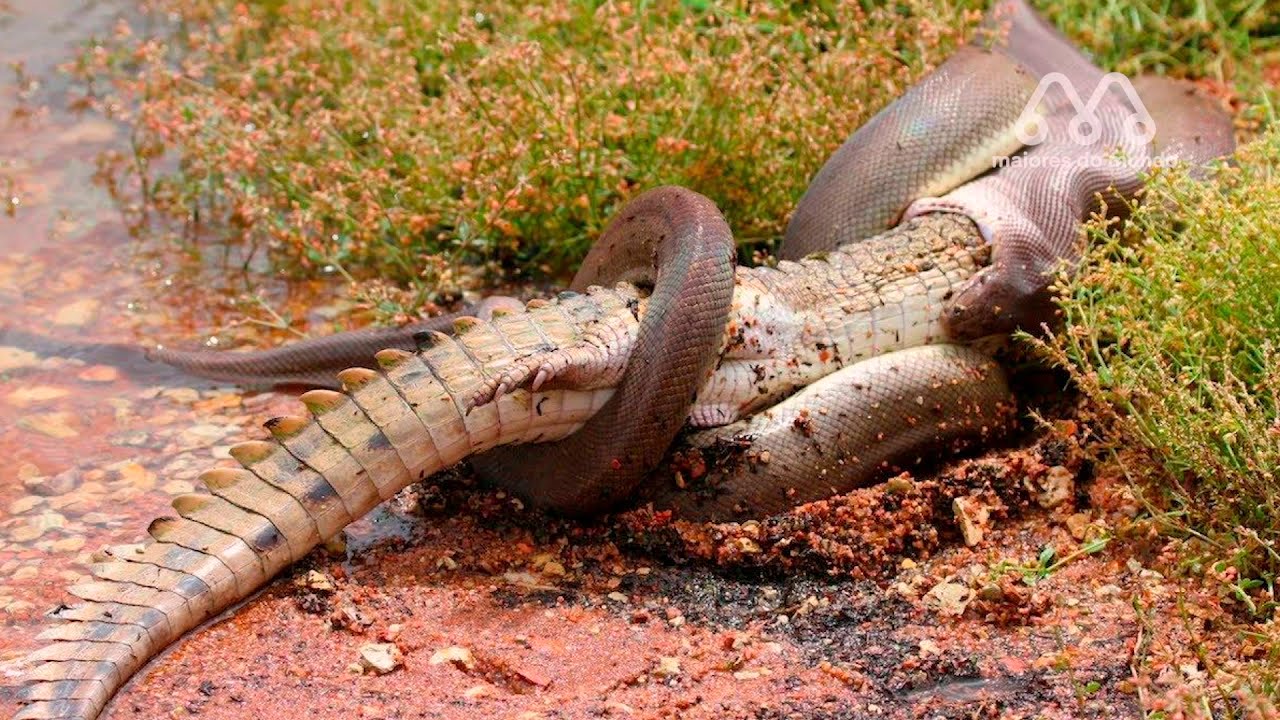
(288, 496)
(390, 427)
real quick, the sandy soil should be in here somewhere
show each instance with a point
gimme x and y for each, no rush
(869, 605)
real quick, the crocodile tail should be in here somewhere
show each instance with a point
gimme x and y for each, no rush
(389, 428)
(292, 493)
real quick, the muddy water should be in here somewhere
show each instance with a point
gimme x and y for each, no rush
(90, 452)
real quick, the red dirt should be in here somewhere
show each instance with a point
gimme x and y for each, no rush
(830, 612)
(547, 644)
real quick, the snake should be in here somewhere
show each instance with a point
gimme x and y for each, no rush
(918, 156)
(849, 359)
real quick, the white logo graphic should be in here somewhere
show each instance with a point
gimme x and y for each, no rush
(1086, 127)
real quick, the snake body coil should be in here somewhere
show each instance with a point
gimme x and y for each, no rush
(827, 371)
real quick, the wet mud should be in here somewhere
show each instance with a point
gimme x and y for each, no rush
(922, 597)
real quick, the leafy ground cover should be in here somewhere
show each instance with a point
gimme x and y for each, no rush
(1171, 335)
(403, 141)
(421, 148)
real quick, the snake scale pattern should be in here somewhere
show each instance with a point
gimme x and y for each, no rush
(838, 364)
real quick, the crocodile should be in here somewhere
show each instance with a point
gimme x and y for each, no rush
(840, 362)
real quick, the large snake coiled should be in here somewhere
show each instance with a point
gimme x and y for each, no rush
(848, 421)
(917, 156)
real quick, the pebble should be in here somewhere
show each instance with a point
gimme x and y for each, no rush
(899, 484)
(991, 592)
(1058, 486)
(1078, 525)
(12, 358)
(219, 402)
(76, 314)
(126, 494)
(181, 465)
(1106, 591)
(667, 667)
(180, 395)
(317, 580)
(75, 503)
(948, 598)
(202, 435)
(49, 520)
(455, 654)
(25, 504)
(131, 438)
(972, 516)
(69, 545)
(25, 533)
(19, 608)
(35, 394)
(57, 425)
(60, 484)
(524, 579)
(133, 474)
(177, 487)
(381, 658)
(99, 374)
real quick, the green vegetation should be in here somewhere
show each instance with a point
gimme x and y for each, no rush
(1173, 331)
(1172, 334)
(1048, 561)
(423, 147)
(1229, 44)
(405, 141)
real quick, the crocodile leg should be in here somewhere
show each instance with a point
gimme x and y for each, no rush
(677, 239)
(391, 427)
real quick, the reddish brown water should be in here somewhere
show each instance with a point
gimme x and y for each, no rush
(90, 453)
(555, 621)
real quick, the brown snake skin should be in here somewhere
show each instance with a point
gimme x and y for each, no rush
(679, 240)
(596, 426)
(938, 135)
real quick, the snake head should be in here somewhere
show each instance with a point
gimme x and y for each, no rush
(1031, 208)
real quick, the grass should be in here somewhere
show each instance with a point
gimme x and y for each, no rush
(1172, 335)
(1228, 44)
(408, 141)
(433, 146)
(1173, 331)
(420, 148)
